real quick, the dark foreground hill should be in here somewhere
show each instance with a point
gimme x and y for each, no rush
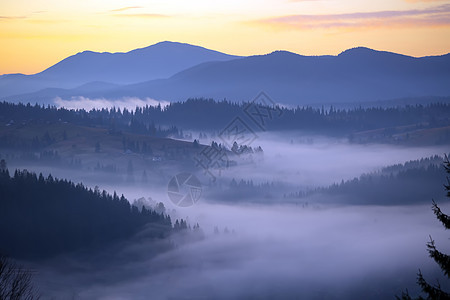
(42, 217)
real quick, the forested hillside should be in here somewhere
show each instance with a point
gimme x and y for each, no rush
(402, 184)
(420, 124)
(42, 217)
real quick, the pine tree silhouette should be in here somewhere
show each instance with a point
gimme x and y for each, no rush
(435, 292)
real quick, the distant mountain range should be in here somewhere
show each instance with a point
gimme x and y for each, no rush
(161, 60)
(175, 72)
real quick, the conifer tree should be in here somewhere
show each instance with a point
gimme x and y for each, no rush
(434, 291)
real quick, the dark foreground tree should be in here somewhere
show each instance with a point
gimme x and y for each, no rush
(434, 291)
(15, 281)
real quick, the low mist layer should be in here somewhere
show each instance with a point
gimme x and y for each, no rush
(270, 253)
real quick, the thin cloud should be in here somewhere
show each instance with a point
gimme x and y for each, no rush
(22, 17)
(46, 21)
(125, 8)
(12, 17)
(417, 1)
(144, 16)
(435, 16)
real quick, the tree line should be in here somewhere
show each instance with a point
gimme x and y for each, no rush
(201, 113)
(409, 183)
(44, 216)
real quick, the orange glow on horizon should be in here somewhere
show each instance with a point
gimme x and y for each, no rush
(36, 35)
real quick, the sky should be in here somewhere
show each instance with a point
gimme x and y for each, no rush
(37, 34)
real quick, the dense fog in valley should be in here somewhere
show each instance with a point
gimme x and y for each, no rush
(274, 251)
(167, 173)
(294, 159)
(270, 248)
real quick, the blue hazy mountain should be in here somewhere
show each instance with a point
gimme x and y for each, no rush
(355, 75)
(161, 60)
(358, 74)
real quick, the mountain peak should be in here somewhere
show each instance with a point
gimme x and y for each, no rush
(169, 43)
(164, 44)
(364, 52)
(160, 45)
(88, 52)
(172, 46)
(357, 50)
(282, 52)
(157, 61)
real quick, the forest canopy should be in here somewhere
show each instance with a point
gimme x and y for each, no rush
(44, 216)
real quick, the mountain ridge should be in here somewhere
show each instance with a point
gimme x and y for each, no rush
(358, 74)
(160, 60)
(356, 48)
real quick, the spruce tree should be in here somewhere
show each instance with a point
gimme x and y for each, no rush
(434, 291)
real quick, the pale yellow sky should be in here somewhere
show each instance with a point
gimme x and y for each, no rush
(37, 34)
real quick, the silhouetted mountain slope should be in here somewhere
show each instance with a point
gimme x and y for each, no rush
(355, 75)
(157, 61)
(161, 60)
